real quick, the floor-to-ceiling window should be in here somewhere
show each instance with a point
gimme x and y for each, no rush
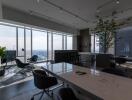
(8, 39)
(39, 44)
(29, 41)
(95, 43)
(69, 43)
(20, 43)
(57, 42)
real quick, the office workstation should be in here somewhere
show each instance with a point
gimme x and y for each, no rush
(65, 50)
(97, 84)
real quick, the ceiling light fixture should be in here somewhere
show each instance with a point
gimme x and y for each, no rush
(117, 1)
(98, 10)
(106, 4)
(38, 1)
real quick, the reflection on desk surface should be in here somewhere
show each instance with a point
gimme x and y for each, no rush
(103, 85)
(58, 67)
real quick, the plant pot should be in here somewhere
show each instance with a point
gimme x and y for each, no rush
(2, 72)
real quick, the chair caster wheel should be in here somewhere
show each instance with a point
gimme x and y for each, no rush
(32, 98)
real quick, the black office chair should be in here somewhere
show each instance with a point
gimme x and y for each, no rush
(67, 94)
(20, 64)
(33, 59)
(114, 71)
(44, 82)
(120, 60)
(24, 66)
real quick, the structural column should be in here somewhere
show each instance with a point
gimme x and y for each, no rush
(84, 41)
(0, 9)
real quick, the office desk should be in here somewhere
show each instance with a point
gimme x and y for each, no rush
(100, 84)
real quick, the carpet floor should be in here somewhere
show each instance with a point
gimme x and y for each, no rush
(23, 91)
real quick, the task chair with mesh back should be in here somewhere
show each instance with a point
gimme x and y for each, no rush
(23, 66)
(44, 82)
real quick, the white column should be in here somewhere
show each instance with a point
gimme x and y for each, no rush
(74, 42)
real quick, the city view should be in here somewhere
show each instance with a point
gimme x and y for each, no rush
(42, 54)
(21, 39)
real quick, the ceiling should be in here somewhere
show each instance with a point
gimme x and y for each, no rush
(79, 14)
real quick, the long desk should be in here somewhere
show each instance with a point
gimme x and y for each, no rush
(99, 84)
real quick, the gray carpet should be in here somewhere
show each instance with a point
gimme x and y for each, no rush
(23, 91)
(28, 94)
(12, 79)
(15, 78)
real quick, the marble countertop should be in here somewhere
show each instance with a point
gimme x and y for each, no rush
(103, 85)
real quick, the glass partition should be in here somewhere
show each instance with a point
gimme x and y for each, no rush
(69, 42)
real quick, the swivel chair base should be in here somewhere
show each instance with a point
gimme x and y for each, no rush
(42, 93)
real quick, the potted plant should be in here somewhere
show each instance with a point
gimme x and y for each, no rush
(2, 53)
(106, 30)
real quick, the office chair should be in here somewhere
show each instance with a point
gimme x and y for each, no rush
(67, 94)
(33, 59)
(120, 60)
(44, 82)
(23, 66)
(114, 71)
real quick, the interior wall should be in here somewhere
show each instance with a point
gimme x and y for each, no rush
(84, 41)
(23, 17)
(123, 42)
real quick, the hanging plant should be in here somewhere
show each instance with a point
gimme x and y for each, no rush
(106, 30)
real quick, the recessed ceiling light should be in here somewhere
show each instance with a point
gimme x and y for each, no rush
(38, 1)
(117, 1)
(97, 10)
